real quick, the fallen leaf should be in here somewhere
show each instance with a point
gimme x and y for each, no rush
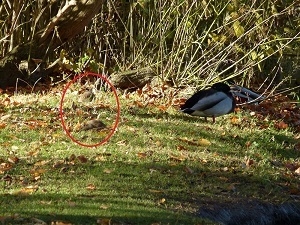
(181, 148)
(297, 171)
(204, 142)
(108, 171)
(122, 143)
(248, 144)
(104, 221)
(91, 187)
(82, 159)
(281, 125)
(72, 157)
(231, 187)
(2, 125)
(177, 158)
(33, 153)
(249, 162)
(188, 170)
(145, 154)
(142, 154)
(104, 207)
(60, 223)
(235, 120)
(190, 142)
(291, 166)
(14, 148)
(5, 166)
(2, 118)
(162, 201)
(27, 190)
(41, 163)
(58, 164)
(13, 159)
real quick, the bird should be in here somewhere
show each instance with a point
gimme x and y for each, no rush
(87, 96)
(213, 102)
(93, 124)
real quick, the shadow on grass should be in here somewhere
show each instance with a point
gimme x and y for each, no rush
(132, 193)
(85, 209)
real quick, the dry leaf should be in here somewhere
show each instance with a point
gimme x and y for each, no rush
(5, 166)
(177, 158)
(2, 118)
(235, 120)
(231, 187)
(122, 143)
(60, 223)
(162, 201)
(158, 143)
(72, 157)
(188, 170)
(104, 207)
(297, 171)
(2, 125)
(204, 142)
(82, 159)
(181, 148)
(104, 221)
(248, 144)
(13, 159)
(142, 154)
(249, 162)
(41, 163)
(190, 142)
(33, 153)
(91, 187)
(108, 171)
(59, 164)
(27, 190)
(145, 154)
(281, 125)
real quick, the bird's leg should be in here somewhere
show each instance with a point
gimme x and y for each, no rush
(214, 119)
(205, 118)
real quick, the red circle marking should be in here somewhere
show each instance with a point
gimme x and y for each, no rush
(61, 113)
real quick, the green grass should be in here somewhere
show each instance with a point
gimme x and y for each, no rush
(158, 168)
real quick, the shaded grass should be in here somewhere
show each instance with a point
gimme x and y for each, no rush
(155, 169)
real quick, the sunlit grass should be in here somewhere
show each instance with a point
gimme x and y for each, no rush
(157, 168)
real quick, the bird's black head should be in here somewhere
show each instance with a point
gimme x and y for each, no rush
(221, 87)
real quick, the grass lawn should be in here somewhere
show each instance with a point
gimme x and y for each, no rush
(159, 167)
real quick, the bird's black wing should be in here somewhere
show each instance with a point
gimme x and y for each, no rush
(204, 99)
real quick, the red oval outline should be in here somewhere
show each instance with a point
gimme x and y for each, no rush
(61, 113)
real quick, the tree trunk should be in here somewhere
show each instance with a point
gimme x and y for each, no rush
(70, 21)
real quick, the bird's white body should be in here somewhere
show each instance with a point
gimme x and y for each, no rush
(205, 108)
